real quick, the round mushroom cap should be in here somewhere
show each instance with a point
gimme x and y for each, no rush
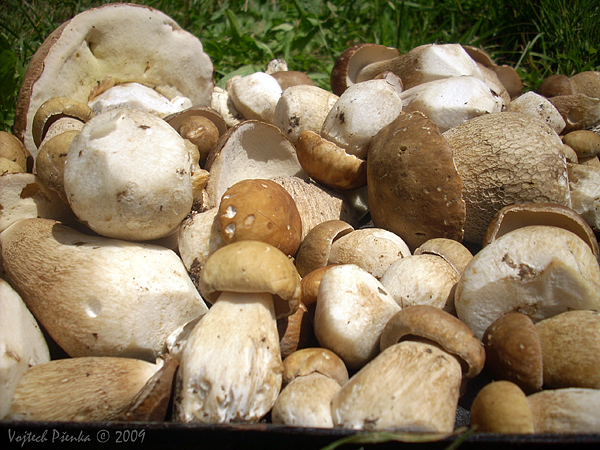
(316, 246)
(585, 143)
(50, 163)
(452, 251)
(52, 110)
(587, 83)
(130, 43)
(314, 359)
(260, 210)
(554, 85)
(252, 266)
(499, 168)
(501, 407)
(520, 215)
(140, 191)
(289, 78)
(414, 188)
(12, 149)
(513, 351)
(567, 410)
(570, 345)
(538, 270)
(440, 327)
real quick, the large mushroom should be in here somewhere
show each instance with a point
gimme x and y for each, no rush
(123, 42)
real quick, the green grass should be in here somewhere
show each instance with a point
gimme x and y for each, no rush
(538, 38)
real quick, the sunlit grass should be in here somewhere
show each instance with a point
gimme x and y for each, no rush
(539, 38)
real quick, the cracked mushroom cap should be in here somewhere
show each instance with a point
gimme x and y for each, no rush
(538, 270)
(440, 327)
(130, 43)
(500, 168)
(414, 187)
(252, 267)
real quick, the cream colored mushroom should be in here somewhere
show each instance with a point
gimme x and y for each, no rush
(311, 378)
(142, 191)
(538, 106)
(13, 149)
(231, 369)
(585, 192)
(22, 344)
(568, 410)
(97, 296)
(351, 311)
(414, 383)
(452, 251)
(84, 389)
(255, 96)
(537, 270)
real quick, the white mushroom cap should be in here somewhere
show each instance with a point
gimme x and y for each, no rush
(351, 313)
(538, 270)
(130, 43)
(538, 106)
(128, 175)
(22, 344)
(256, 96)
(569, 410)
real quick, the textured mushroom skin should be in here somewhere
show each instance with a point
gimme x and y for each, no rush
(568, 410)
(231, 369)
(413, 386)
(506, 158)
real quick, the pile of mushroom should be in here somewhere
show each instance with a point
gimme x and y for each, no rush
(417, 242)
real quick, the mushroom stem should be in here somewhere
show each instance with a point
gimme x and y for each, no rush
(231, 369)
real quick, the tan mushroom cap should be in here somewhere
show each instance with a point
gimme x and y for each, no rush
(315, 248)
(260, 210)
(354, 59)
(554, 85)
(329, 164)
(50, 162)
(513, 351)
(587, 83)
(310, 285)
(452, 251)
(585, 143)
(289, 78)
(176, 120)
(252, 267)
(568, 410)
(414, 188)
(80, 389)
(314, 359)
(439, 327)
(54, 109)
(578, 111)
(516, 216)
(296, 331)
(12, 149)
(152, 49)
(570, 344)
(501, 407)
(498, 168)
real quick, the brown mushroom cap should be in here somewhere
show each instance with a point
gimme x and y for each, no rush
(54, 109)
(252, 267)
(310, 286)
(314, 359)
(260, 210)
(557, 84)
(516, 216)
(585, 143)
(452, 251)
(587, 83)
(501, 407)
(413, 186)
(50, 162)
(513, 351)
(570, 344)
(12, 149)
(289, 78)
(578, 111)
(444, 329)
(316, 246)
(353, 59)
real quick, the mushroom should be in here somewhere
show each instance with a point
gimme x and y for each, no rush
(568, 410)
(404, 197)
(584, 183)
(231, 369)
(142, 191)
(570, 344)
(498, 169)
(452, 251)
(577, 110)
(260, 210)
(513, 351)
(130, 43)
(251, 149)
(50, 162)
(538, 106)
(501, 407)
(12, 149)
(585, 143)
(97, 296)
(255, 96)
(90, 389)
(311, 378)
(22, 344)
(538, 270)
(351, 311)
(414, 383)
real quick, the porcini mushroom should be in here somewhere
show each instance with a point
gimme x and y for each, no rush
(231, 369)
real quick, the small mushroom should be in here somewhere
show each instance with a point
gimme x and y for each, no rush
(255, 96)
(577, 110)
(555, 85)
(351, 312)
(12, 149)
(538, 270)
(89, 389)
(584, 183)
(513, 351)
(501, 407)
(538, 106)
(231, 369)
(452, 251)
(311, 377)
(291, 78)
(570, 344)
(414, 383)
(55, 109)
(585, 143)
(22, 343)
(50, 162)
